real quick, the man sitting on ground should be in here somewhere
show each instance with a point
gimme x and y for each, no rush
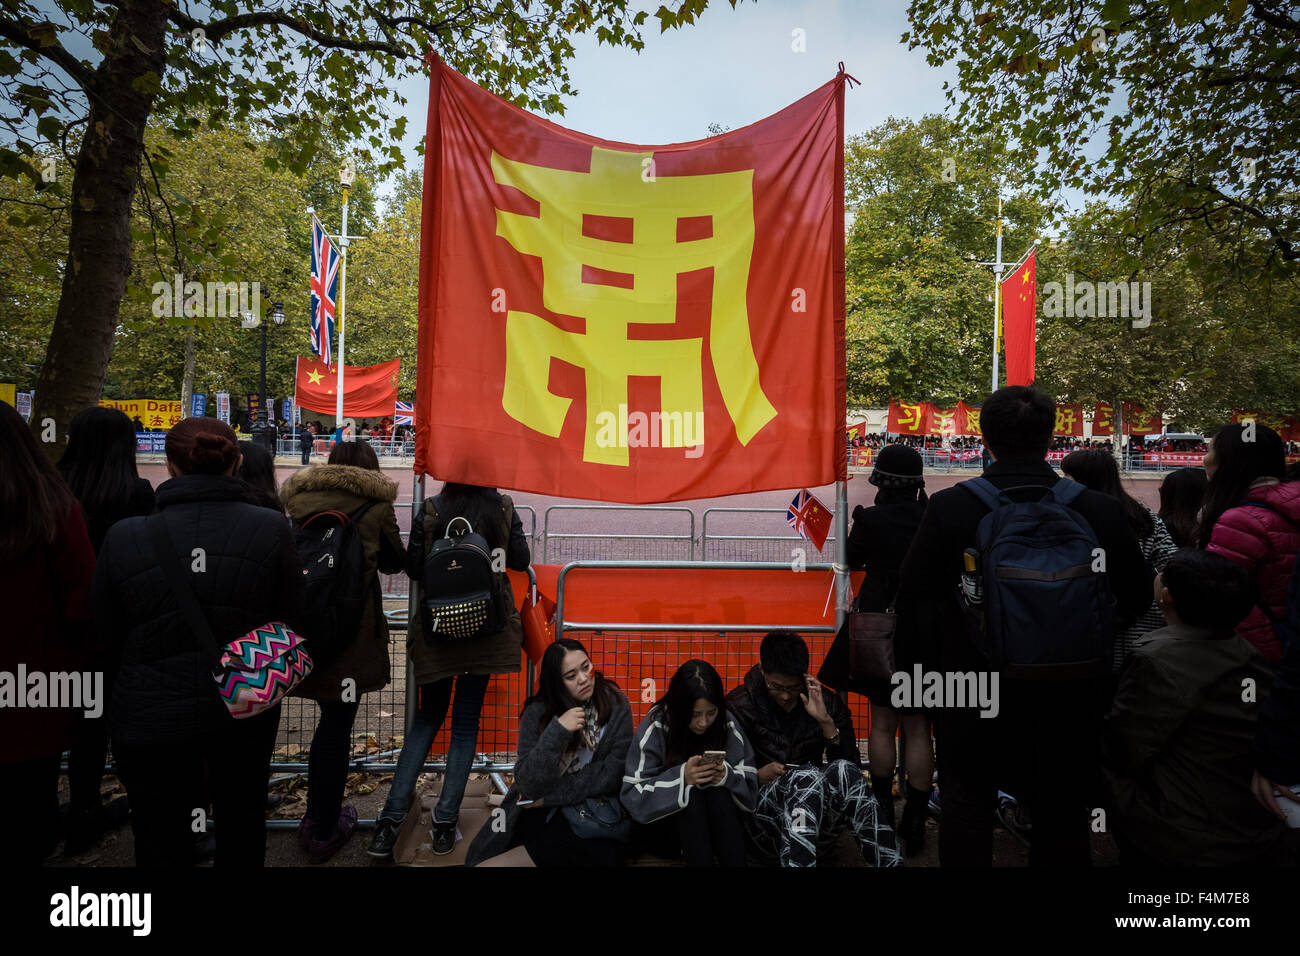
(809, 771)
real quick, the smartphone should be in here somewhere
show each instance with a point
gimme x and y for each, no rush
(713, 757)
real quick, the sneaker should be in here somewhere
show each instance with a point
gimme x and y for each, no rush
(385, 838)
(306, 833)
(444, 838)
(322, 850)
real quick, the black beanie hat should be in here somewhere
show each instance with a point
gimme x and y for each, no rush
(898, 466)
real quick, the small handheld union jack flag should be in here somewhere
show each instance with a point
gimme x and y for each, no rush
(403, 414)
(810, 518)
(324, 290)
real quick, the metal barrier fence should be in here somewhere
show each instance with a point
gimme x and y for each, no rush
(560, 547)
(767, 546)
(641, 658)
(291, 447)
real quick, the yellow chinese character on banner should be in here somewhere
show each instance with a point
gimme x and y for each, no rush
(1064, 420)
(909, 417)
(973, 421)
(945, 423)
(646, 267)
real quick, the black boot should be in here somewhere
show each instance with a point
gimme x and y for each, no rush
(883, 788)
(915, 813)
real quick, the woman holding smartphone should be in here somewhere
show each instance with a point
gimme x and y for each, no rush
(690, 771)
(563, 808)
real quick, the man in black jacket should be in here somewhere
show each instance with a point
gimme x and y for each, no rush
(1043, 744)
(809, 771)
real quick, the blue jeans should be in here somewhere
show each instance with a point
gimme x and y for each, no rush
(434, 698)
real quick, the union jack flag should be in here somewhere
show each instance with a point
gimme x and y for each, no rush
(324, 290)
(809, 517)
(404, 414)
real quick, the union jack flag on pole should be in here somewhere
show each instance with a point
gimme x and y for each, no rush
(324, 290)
(810, 518)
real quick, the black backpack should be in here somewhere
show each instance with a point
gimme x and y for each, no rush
(334, 564)
(462, 597)
(1035, 607)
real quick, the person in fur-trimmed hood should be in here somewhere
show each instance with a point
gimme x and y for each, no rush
(350, 480)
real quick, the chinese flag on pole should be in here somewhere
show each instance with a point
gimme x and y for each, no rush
(1018, 306)
(633, 323)
(371, 390)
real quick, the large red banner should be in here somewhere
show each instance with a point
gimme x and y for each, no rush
(1287, 428)
(634, 323)
(909, 418)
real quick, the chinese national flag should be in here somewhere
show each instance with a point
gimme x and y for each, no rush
(1018, 305)
(368, 390)
(634, 323)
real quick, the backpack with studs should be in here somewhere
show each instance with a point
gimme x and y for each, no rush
(462, 597)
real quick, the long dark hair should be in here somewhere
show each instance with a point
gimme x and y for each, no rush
(258, 472)
(34, 498)
(1240, 463)
(693, 680)
(1097, 470)
(1181, 495)
(480, 506)
(551, 693)
(99, 464)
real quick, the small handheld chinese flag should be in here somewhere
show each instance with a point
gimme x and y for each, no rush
(810, 518)
(1018, 305)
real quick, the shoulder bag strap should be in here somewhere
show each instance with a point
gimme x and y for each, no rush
(169, 561)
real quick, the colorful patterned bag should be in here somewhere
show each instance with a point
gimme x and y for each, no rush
(254, 670)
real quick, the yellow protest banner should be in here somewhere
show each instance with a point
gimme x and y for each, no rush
(8, 394)
(156, 415)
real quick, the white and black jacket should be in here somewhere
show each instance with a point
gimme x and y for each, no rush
(653, 789)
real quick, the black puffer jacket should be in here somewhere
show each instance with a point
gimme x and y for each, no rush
(164, 692)
(792, 738)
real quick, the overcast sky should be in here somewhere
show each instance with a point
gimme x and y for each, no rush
(734, 67)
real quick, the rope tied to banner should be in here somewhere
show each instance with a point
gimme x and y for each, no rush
(851, 80)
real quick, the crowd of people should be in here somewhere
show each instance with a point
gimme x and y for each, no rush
(1120, 679)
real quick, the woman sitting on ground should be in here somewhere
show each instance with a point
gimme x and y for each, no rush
(574, 735)
(690, 772)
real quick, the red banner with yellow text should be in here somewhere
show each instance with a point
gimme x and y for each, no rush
(636, 323)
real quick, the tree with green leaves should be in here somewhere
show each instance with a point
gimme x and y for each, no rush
(1188, 106)
(923, 197)
(91, 79)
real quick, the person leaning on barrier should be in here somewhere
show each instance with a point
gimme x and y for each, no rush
(171, 731)
(441, 665)
(563, 808)
(693, 805)
(350, 481)
(809, 771)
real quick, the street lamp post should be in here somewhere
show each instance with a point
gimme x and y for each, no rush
(262, 430)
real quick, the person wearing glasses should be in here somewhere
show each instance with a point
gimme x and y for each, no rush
(810, 778)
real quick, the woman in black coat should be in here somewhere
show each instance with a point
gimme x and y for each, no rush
(170, 728)
(99, 467)
(878, 543)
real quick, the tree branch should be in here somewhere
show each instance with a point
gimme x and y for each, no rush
(1274, 19)
(223, 28)
(19, 33)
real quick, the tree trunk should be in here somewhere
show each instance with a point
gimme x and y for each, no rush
(187, 380)
(99, 241)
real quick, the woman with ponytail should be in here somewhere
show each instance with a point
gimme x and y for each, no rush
(174, 740)
(878, 543)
